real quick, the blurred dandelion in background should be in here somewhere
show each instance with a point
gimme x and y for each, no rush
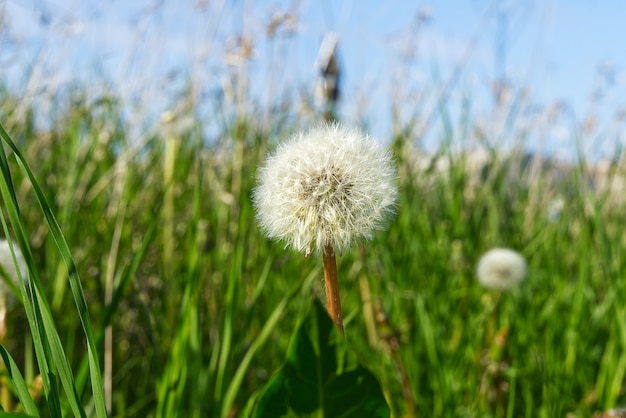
(9, 279)
(9, 275)
(501, 269)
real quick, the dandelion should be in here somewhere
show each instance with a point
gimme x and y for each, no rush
(323, 190)
(501, 269)
(9, 271)
(326, 187)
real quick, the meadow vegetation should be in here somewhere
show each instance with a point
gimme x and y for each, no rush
(191, 308)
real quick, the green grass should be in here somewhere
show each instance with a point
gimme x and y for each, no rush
(201, 306)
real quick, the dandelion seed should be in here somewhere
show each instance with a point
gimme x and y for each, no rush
(501, 269)
(330, 186)
(321, 191)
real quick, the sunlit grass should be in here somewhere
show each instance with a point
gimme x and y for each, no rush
(201, 306)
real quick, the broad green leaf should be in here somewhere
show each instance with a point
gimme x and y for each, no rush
(321, 377)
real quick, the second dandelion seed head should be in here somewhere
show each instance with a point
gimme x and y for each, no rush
(501, 269)
(7, 264)
(328, 186)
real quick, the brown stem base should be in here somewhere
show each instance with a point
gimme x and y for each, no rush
(333, 302)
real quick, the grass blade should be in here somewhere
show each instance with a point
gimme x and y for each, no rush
(18, 382)
(77, 292)
(270, 324)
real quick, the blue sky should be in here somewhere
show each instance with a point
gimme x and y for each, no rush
(556, 51)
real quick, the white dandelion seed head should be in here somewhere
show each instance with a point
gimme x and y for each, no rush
(501, 269)
(330, 185)
(6, 261)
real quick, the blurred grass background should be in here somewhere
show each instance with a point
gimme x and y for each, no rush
(192, 304)
(201, 306)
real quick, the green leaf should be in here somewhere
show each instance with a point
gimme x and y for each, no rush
(18, 382)
(321, 377)
(48, 346)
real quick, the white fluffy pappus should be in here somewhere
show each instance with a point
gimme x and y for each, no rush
(501, 269)
(6, 261)
(330, 185)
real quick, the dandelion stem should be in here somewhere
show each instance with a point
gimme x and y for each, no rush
(333, 302)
